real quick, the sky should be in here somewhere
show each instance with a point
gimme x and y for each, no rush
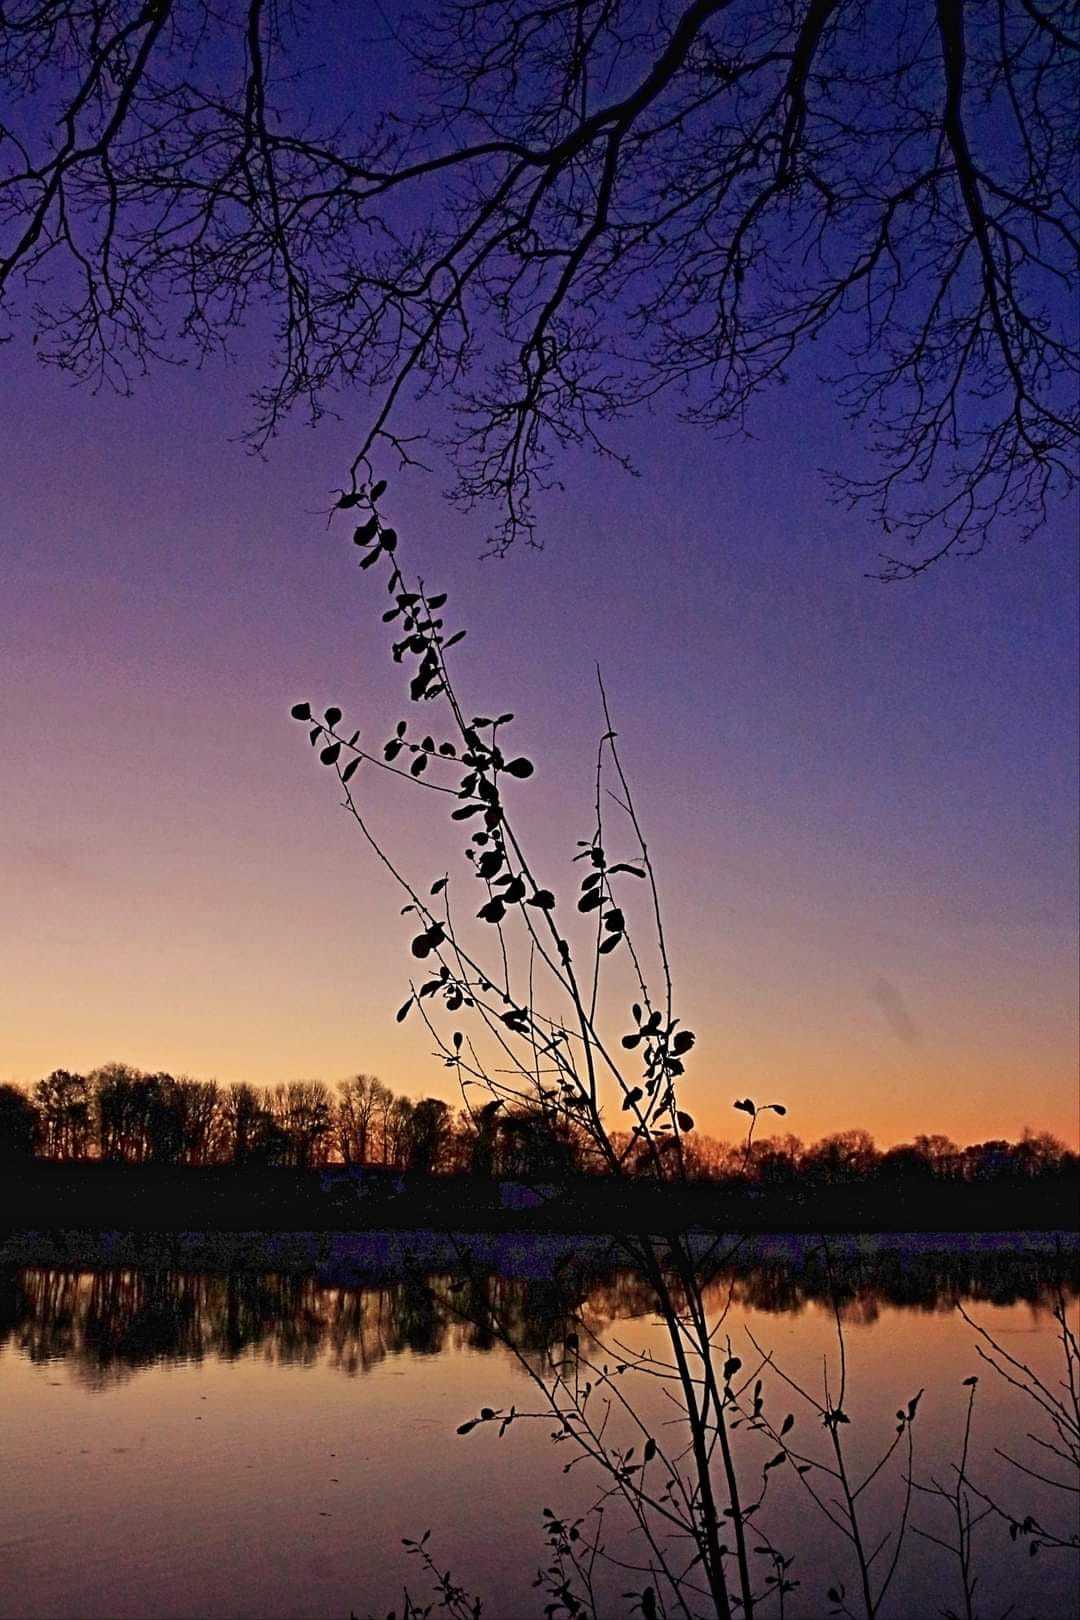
(861, 800)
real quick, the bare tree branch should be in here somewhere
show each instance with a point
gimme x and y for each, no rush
(587, 205)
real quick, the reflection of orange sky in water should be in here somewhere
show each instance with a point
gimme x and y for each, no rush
(227, 1487)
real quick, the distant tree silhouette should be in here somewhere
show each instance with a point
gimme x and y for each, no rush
(480, 1131)
(201, 1120)
(427, 1138)
(777, 1160)
(396, 1130)
(843, 1156)
(124, 1107)
(988, 1161)
(164, 1120)
(64, 1104)
(941, 1153)
(359, 1109)
(18, 1123)
(302, 1110)
(578, 209)
(537, 1145)
(1037, 1153)
(120, 1113)
(183, 1121)
(905, 1162)
(245, 1125)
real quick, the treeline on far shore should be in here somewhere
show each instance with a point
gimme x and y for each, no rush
(124, 1116)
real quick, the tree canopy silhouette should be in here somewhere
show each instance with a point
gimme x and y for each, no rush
(575, 209)
(121, 1114)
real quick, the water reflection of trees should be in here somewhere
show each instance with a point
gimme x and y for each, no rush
(110, 1323)
(861, 1285)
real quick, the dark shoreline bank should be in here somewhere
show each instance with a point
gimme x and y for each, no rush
(88, 1197)
(389, 1249)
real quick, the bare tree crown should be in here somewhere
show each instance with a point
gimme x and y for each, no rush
(592, 204)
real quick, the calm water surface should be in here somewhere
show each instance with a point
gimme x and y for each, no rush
(178, 1444)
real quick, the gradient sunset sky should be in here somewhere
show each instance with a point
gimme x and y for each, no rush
(861, 799)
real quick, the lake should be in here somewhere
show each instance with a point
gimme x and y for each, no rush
(177, 1441)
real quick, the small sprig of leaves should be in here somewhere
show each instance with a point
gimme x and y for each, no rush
(755, 1110)
(664, 1047)
(596, 893)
